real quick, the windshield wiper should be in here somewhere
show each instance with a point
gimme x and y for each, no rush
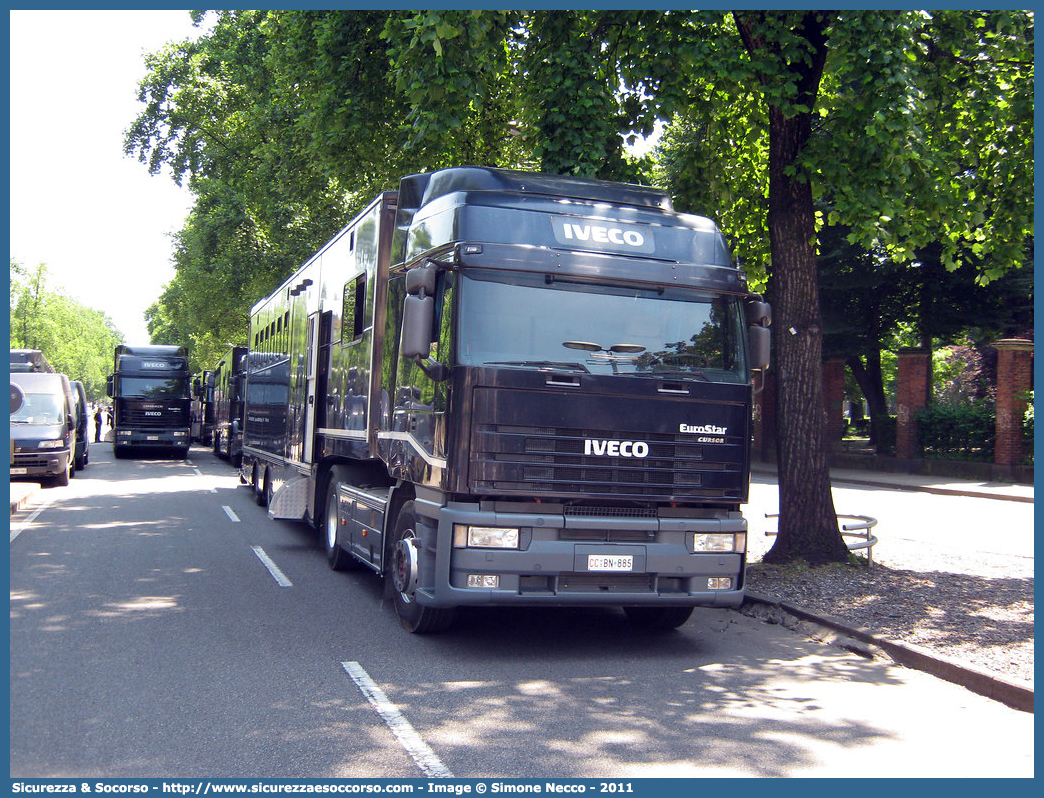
(552, 364)
(674, 373)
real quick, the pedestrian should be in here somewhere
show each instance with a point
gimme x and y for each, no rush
(97, 425)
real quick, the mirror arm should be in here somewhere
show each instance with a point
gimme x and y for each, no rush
(432, 368)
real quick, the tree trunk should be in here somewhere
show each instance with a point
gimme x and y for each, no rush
(808, 527)
(871, 383)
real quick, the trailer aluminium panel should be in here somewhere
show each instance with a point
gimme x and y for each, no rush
(502, 388)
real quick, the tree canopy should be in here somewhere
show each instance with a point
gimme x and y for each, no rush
(909, 131)
(76, 340)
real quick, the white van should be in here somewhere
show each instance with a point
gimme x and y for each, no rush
(43, 426)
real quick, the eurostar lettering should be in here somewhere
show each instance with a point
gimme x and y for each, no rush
(604, 235)
(598, 448)
(706, 429)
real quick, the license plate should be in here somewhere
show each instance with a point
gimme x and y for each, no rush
(17, 471)
(604, 562)
(152, 437)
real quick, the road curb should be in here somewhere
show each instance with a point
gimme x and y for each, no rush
(1015, 694)
(969, 492)
(21, 493)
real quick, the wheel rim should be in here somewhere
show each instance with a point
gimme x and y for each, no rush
(404, 571)
(331, 523)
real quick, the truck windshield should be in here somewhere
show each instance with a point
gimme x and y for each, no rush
(153, 388)
(524, 321)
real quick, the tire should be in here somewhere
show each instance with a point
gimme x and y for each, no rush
(658, 617)
(400, 578)
(260, 486)
(62, 480)
(329, 533)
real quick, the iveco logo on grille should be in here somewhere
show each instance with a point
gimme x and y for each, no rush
(616, 448)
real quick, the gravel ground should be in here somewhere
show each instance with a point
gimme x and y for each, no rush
(978, 610)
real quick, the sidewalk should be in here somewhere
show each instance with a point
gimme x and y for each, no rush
(22, 493)
(784, 605)
(947, 486)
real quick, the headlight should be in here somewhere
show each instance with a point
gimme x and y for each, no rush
(719, 542)
(52, 444)
(124, 432)
(180, 433)
(484, 537)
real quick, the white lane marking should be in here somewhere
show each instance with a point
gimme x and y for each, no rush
(198, 472)
(20, 528)
(426, 759)
(273, 569)
(229, 513)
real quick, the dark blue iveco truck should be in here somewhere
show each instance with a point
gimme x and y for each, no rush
(151, 402)
(501, 388)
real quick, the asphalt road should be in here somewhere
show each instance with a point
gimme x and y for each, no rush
(163, 626)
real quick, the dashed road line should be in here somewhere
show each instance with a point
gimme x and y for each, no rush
(230, 513)
(273, 569)
(427, 760)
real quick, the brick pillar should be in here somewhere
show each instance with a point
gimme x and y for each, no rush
(913, 385)
(834, 401)
(1014, 379)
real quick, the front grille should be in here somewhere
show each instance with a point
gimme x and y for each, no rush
(525, 459)
(169, 419)
(32, 460)
(606, 583)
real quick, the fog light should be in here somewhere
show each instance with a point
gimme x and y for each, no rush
(483, 580)
(719, 542)
(719, 583)
(484, 537)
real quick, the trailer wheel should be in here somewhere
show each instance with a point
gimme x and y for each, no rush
(261, 483)
(336, 556)
(658, 617)
(401, 578)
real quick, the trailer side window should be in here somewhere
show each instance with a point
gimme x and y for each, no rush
(353, 316)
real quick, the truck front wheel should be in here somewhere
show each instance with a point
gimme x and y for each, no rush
(658, 617)
(336, 556)
(402, 574)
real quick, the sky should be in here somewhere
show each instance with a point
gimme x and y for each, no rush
(99, 221)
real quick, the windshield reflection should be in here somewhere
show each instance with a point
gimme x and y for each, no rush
(529, 323)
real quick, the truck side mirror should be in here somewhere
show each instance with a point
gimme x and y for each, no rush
(759, 317)
(418, 316)
(108, 385)
(760, 347)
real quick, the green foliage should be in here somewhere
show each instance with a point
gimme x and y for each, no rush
(957, 432)
(77, 340)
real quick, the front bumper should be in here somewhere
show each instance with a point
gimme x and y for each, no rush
(551, 565)
(43, 463)
(146, 438)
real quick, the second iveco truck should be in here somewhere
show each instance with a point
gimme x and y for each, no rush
(501, 388)
(227, 382)
(151, 402)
